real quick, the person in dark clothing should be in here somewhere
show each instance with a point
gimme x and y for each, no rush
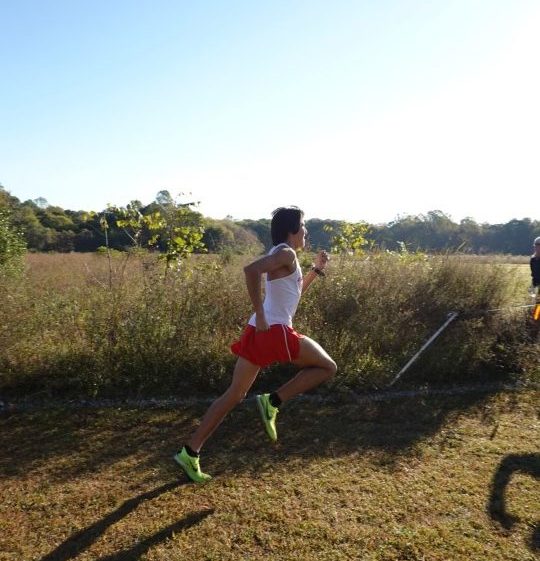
(535, 264)
(535, 278)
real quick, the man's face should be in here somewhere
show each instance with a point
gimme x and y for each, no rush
(537, 249)
(300, 236)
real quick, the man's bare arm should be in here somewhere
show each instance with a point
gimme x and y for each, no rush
(253, 273)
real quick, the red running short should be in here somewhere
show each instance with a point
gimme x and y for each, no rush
(280, 343)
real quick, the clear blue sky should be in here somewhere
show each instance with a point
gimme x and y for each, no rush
(353, 110)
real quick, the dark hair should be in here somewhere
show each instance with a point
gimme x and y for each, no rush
(285, 221)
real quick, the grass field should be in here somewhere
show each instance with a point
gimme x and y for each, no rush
(432, 478)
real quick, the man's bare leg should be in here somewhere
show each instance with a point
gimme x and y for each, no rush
(316, 366)
(243, 377)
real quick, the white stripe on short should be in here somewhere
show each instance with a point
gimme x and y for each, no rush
(286, 342)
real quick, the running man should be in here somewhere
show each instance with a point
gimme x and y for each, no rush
(269, 337)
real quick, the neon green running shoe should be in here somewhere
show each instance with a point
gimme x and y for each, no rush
(191, 466)
(268, 413)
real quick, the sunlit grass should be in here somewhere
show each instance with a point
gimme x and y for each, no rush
(413, 479)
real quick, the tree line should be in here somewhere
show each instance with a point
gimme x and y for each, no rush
(51, 228)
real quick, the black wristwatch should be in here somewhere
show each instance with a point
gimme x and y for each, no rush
(318, 271)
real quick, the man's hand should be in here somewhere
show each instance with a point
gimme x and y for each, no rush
(260, 322)
(321, 260)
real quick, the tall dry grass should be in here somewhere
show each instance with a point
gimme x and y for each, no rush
(73, 326)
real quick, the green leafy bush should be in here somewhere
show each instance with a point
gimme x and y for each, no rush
(74, 326)
(12, 246)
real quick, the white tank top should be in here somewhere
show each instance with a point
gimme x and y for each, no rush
(281, 295)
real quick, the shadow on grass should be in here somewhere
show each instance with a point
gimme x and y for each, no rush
(388, 430)
(83, 539)
(139, 550)
(528, 464)
(68, 444)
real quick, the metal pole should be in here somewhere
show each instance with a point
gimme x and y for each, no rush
(451, 317)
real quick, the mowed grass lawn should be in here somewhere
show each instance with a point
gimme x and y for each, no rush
(432, 478)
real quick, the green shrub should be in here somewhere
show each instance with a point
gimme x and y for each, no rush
(79, 325)
(12, 246)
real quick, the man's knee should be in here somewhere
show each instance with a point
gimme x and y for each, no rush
(331, 369)
(234, 396)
